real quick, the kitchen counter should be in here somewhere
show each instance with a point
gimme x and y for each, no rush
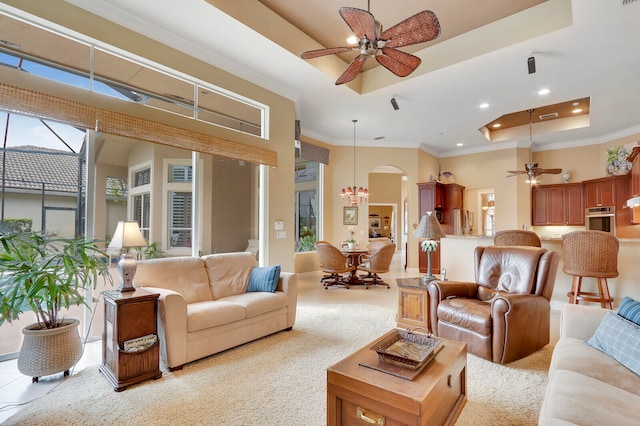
(457, 257)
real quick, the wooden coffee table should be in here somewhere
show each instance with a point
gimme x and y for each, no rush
(357, 395)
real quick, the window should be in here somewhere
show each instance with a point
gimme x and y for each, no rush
(141, 207)
(143, 177)
(180, 206)
(306, 181)
(180, 173)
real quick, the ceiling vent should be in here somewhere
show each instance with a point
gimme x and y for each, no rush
(379, 138)
(548, 116)
(626, 2)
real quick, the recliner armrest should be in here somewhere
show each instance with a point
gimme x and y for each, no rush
(445, 289)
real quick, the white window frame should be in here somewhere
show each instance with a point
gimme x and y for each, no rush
(135, 191)
(167, 188)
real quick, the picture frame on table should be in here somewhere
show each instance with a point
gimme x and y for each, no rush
(350, 216)
(374, 222)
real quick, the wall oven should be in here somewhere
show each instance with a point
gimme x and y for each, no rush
(600, 219)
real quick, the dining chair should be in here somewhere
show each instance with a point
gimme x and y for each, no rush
(334, 263)
(376, 263)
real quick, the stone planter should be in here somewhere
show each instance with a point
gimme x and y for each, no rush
(49, 351)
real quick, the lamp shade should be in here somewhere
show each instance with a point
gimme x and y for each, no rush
(429, 228)
(127, 235)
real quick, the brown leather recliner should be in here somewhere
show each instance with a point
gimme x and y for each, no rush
(504, 315)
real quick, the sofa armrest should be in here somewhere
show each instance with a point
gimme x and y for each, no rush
(288, 283)
(172, 326)
(580, 321)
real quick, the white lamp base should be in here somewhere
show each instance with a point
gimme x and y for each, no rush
(127, 270)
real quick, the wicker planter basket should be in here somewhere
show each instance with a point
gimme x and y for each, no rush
(49, 351)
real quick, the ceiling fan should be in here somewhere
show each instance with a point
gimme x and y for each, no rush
(382, 45)
(531, 169)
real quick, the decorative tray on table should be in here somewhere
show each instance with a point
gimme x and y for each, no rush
(408, 349)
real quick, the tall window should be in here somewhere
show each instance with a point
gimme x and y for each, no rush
(306, 181)
(140, 208)
(179, 203)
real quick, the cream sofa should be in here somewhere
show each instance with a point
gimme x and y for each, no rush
(204, 308)
(586, 386)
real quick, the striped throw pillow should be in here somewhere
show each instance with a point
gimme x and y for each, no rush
(264, 279)
(630, 309)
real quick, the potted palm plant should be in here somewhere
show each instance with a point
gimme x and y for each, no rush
(45, 276)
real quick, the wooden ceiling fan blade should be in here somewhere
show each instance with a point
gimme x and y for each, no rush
(550, 171)
(419, 28)
(400, 63)
(323, 52)
(361, 22)
(352, 69)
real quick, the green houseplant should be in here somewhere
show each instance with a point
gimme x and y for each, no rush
(44, 276)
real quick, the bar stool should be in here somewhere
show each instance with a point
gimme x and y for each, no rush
(590, 254)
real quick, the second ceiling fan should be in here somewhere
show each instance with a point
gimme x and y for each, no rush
(382, 45)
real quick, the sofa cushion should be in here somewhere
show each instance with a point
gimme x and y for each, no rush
(258, 303)
(184, 275)
(204, 315)
(573, 354)
(264, 279)
(630, 309)
(229, 272)
(620, 339)
(581, 400)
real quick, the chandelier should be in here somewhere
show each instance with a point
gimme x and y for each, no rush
(354, 195)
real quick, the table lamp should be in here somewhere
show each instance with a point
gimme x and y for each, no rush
(429, 229)
(127, 235)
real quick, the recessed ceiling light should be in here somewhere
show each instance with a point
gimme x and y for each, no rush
(543, 92)
(352, 40)
(443, 133)
(577, 110)
(484, 105)
(459, 144)
(495, 126)
(576, 103)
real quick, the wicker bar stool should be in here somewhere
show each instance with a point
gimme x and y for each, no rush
(590, 254)
(516, 237)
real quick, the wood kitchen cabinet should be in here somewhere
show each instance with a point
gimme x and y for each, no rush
(599, 192)
(560, 204)
(634, 158)
(429, 197)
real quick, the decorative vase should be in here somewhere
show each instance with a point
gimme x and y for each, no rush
(351, 246)
(49, 351)
(565, 176)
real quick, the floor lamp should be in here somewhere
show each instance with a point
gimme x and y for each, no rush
(429, 229)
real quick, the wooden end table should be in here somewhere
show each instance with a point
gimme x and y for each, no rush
(357, 395)
(413, 304)
(127, 316)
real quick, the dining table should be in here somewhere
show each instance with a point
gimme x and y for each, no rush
(352, 259)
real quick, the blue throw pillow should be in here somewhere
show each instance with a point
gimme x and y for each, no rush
(620, 339)
(264, 279)
(630, 309)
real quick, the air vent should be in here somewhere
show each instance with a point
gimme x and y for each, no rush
(379, 138)
(548, 116)
(626, 2)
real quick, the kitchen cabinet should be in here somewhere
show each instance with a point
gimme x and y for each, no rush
(599, 192)
(429, 197)
(560, 204)
(441, 199)
(634, 159)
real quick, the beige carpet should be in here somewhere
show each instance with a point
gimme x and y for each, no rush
(280, 380)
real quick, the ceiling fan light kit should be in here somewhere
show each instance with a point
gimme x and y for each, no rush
(382, 45)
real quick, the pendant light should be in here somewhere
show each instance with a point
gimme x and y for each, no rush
(354, 195)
